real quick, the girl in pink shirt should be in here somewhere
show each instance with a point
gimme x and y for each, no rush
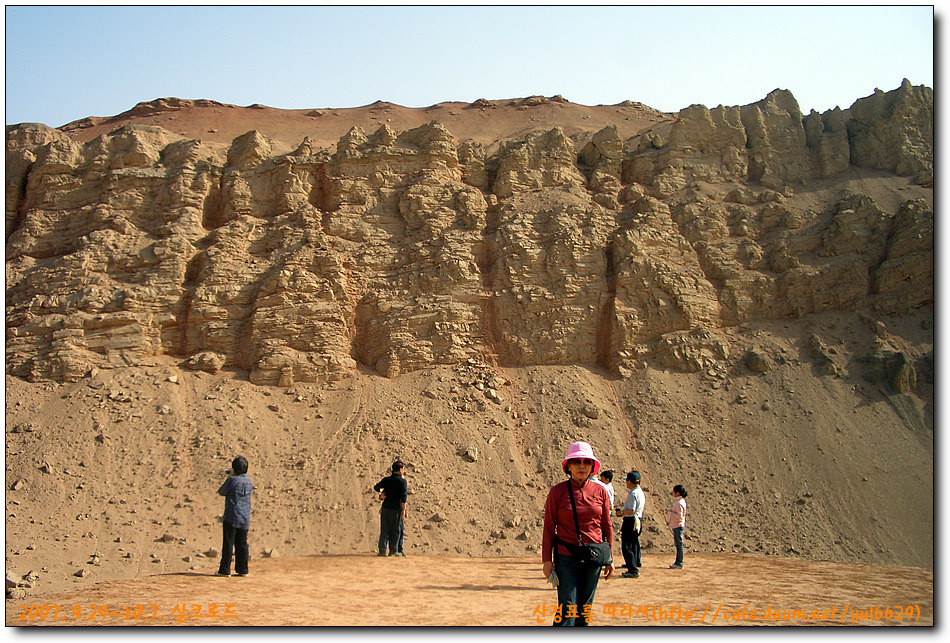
(676, 517)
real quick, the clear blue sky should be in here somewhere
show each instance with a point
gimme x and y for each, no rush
(65, 63)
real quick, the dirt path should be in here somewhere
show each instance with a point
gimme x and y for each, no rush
(717, 589)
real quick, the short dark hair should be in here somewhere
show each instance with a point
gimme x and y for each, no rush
(609, 475)
(239, 465)
(397, 465)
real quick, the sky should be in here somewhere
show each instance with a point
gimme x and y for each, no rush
(64, 63)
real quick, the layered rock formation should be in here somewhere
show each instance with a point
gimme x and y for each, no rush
(400, 250)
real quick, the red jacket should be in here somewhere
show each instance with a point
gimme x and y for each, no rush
(593, 515)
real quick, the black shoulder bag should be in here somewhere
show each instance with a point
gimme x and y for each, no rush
(591, 555)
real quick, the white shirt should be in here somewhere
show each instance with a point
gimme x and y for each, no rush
(635, 501)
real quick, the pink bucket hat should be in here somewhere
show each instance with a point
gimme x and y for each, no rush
(580, 450)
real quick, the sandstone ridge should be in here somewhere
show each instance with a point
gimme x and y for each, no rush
(405, 249)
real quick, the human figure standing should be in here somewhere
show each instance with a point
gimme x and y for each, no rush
(392, 514)
(237, 518)
(677, 521)
(606, 478)
(575, 505)
(632, 513)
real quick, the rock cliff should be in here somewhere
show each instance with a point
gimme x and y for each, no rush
(406, 249)
(324, 291)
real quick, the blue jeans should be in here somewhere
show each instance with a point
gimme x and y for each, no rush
(678, 543)
(391, 530)
(576, 587)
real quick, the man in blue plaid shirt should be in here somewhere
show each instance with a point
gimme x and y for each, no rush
(237, 518)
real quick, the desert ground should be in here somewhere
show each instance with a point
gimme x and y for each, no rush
(347, 590)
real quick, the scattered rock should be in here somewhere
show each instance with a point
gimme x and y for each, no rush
(904, 378)
(892, 368)
(758, 362)
(591, 411)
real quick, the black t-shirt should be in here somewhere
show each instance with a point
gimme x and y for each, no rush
(395, 488)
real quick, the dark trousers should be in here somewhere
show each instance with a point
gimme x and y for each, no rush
(391, 529)
(575, 590)
(678, 543)
(234, 539)
(630, 544)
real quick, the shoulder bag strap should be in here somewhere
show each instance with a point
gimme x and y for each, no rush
(577, 526)
(556, 539)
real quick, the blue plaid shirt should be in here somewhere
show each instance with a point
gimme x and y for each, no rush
(237, 501)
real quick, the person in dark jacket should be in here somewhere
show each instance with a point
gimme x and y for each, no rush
(392, 514)
(237, 518)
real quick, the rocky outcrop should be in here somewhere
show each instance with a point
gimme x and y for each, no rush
(400, 250)
(906, 274)
(894, 130)
(772, 144)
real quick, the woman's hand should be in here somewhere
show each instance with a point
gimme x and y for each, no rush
(547, 568)
(608, 571)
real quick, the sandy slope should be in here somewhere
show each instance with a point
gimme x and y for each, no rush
(786, 463)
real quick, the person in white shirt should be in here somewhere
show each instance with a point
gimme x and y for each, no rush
(607, 478)
(632, 513)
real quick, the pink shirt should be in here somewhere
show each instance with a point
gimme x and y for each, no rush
(677, 513)
(593, 515)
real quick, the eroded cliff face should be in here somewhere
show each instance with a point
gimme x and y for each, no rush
(401, 250)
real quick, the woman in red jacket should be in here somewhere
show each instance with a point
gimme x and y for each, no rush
(575, 582)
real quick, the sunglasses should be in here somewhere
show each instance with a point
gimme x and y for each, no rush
(583, 460)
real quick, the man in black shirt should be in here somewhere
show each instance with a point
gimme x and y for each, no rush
(393, 511)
